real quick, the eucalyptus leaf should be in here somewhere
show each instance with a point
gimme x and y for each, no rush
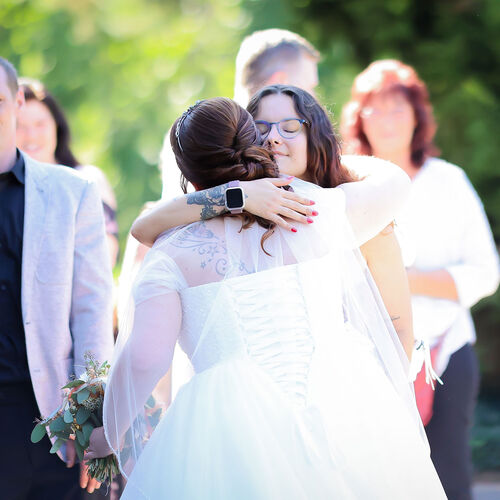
(79, 450)
(57, 424)
(87, 429)
(83, 395)
(64, 434)
(37, 433)
(68, 417)
(83, 386)
(82, 415)
(55, 447)
(73, 383)
(80, 437)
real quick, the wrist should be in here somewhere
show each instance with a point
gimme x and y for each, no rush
(234, 197)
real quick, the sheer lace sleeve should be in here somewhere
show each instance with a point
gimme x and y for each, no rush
(148, 332)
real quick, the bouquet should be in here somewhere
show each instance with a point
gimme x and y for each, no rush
(79, 414)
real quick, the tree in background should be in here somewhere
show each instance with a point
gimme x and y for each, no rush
(125, 69)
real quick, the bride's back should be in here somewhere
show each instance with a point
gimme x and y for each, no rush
(243, 296)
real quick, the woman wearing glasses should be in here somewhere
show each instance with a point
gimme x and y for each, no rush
(298, 131)
(300, 386)
(456, 262)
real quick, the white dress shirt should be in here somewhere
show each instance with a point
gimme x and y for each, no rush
(444, 226)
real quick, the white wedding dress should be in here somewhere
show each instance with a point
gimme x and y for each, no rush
(294, 396)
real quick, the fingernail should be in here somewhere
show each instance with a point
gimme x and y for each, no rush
(309, 220)
(311, 202)
(314, 213)
(290, 177)
(293, 230)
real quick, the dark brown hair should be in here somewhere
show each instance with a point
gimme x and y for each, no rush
(216, 141)
(324, 167)
(390, 76)
(35, 90)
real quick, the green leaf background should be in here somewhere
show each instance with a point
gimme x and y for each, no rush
(125, 69)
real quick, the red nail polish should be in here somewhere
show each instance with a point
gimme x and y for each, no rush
(309, 220)
(314, 213)
(293, 230)
(311, 202)
(290, 177)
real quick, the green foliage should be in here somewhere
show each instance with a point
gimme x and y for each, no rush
(38, 433)
(82, 415)
(83, 395)
(485, 440)
(73, 383)
(57, 425)
(55, 447)
(123, 71)
(68, 417)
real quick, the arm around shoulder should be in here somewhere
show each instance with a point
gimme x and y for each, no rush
(374, 201)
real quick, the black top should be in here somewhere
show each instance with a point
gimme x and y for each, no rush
(13, 357)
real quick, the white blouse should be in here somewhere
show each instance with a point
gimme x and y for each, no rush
(444, 226)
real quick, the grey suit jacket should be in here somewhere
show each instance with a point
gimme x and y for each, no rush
(66, 290)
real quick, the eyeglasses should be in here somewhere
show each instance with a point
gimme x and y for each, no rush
(288, 128)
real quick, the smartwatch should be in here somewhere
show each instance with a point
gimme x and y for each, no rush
(234, 198)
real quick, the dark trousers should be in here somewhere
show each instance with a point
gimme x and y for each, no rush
(28, 471)
(449, 428)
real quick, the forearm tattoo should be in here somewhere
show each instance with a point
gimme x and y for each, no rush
(210, 200)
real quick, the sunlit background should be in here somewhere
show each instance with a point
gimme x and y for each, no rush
(125, 69)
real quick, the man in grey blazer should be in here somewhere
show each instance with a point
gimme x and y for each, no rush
(55, 303)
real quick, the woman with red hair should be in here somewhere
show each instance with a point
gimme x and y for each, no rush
(455, 262)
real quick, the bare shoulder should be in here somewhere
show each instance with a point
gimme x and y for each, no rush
(199, 250)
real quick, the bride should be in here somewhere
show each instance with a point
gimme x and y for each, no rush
(300, 388)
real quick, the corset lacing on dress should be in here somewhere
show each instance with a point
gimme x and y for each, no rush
(277, 334)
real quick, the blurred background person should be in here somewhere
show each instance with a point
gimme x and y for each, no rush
(455, 262)
(266, 57)
(43, 133)
(274, 56)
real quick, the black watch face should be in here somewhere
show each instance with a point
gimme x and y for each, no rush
(234, 198)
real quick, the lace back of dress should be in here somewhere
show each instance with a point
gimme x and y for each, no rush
(219, 251)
